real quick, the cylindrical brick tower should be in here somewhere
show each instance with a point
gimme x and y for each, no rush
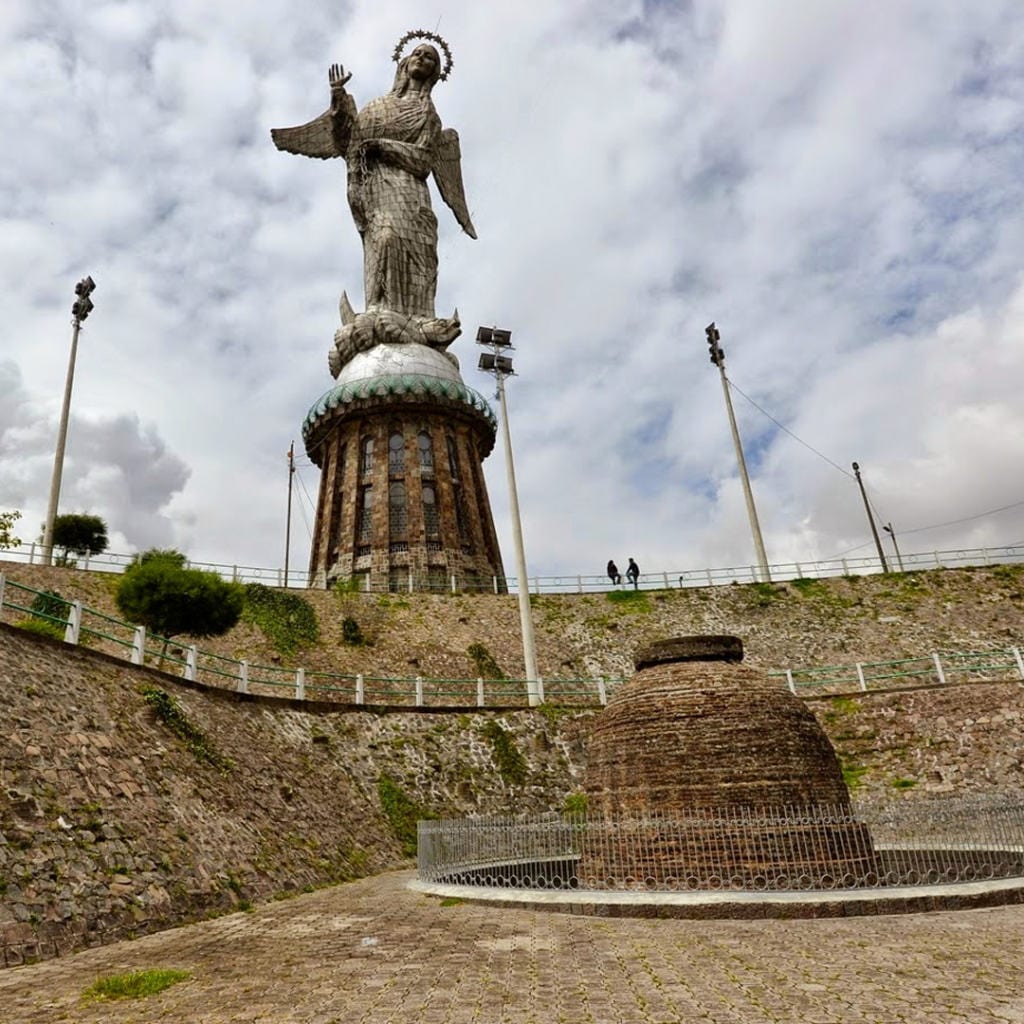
(399, 441)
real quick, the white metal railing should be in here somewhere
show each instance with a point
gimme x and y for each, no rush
(31, 554)
(940, 668)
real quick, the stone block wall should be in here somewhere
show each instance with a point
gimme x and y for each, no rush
(111, 826)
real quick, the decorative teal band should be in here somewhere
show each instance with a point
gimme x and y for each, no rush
(395, 384)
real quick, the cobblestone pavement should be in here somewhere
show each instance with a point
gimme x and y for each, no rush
(374, 952)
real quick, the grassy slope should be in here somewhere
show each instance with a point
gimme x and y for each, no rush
(789, 624)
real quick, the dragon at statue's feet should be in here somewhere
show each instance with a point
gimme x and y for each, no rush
(359, 332)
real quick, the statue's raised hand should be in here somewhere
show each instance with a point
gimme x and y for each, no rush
(337, 77)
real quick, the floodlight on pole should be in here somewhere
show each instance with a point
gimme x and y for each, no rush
(718, 358)
(80, 309)
(500, 365)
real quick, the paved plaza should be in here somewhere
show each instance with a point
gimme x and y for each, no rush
(373, 951)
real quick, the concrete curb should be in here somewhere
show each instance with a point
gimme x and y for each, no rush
(749, 905)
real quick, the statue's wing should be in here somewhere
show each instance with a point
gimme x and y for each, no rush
(313, 139)
(448, 175)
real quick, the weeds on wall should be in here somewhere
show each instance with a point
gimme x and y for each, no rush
(347, 585)
(483, 662)
(553, 713)
(575, 805)
(288, 621)
(402, 813)
(51, 607)
(635, 602)
(49, 615)
(852, 775)
(805, 586)
(170, 712)
(509, 760)
(763, 595)
(40, 627)
(352, 632)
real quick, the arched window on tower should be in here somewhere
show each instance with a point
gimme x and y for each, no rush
(458, 498)
(364, 534)
(366, 456)
(321, 504)
(461, 522)
(431, 524)
(453, 458)
(396, 455)
(398, 516)
(334, 540)
(426, 451)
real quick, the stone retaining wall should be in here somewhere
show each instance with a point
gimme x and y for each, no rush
(958, 739)
(110, 825)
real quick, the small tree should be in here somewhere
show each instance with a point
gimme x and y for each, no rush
(7, 538)
(162, 555)
(81, 533)
(158, 593)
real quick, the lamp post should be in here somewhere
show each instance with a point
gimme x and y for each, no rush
(81, 308)
(871, 518)
(718, 358)
(892, 533)
(498, 363)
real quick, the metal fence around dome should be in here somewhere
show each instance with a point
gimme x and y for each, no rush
(787, 849)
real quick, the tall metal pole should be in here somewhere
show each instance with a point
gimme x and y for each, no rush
(892, 533)
(288, 521)
(498, 363)
(871, 518)
(718, 358)
(525, 618)
(80, 310)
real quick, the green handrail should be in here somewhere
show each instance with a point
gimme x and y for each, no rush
(962, 662)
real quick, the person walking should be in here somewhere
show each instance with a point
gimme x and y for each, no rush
(613, 572)
(633, 573)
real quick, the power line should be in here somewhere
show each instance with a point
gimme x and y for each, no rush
(783, 427)
(849, 551)
(811, 448)
(966, 519)
(937, 526)
(302, 484)
(302, 508)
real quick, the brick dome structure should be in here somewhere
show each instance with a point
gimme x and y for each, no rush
(696, 736)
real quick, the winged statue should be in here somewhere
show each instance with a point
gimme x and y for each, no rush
(390, 148)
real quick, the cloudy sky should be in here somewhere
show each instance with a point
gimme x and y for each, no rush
(838, 185)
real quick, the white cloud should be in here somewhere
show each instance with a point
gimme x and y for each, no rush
(114, 466)
(837, 186)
